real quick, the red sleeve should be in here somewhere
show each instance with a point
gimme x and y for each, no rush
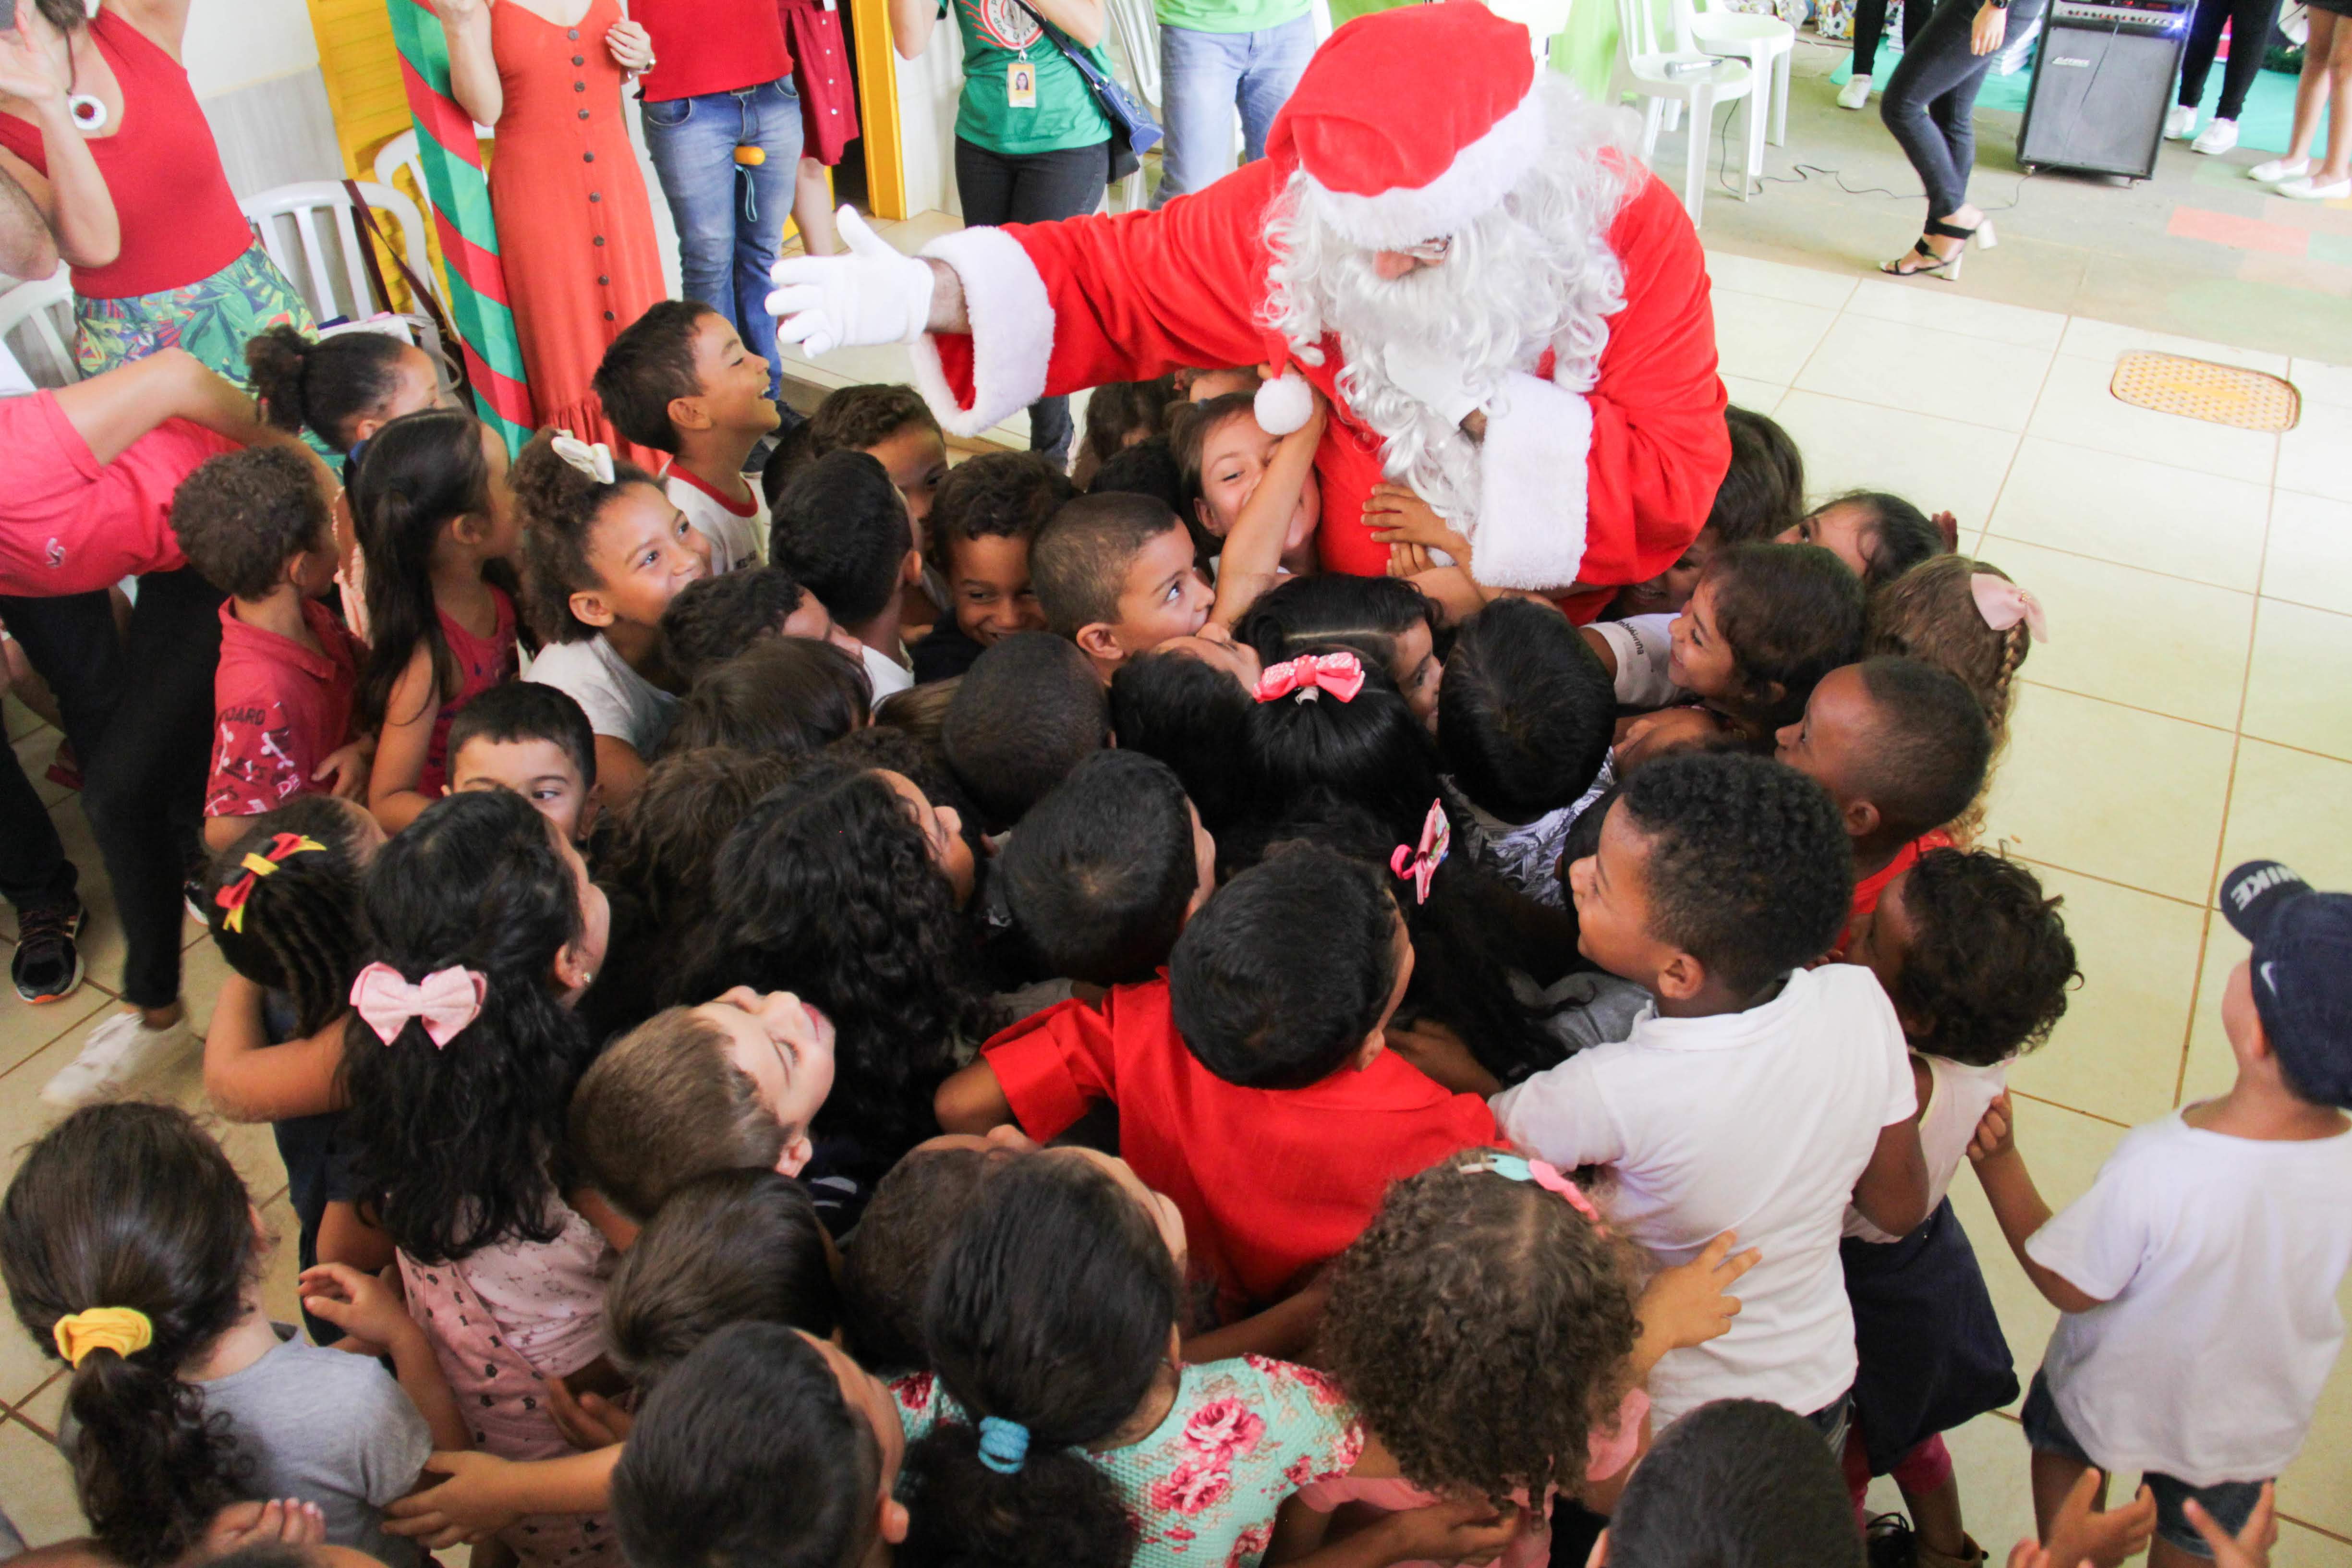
(1659, 446)
(1061, 307)
(1056, 1064)
(252, 770)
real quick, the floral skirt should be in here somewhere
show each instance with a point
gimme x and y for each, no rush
(211, 318)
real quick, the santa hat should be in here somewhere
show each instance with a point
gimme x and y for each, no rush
(1411, 123)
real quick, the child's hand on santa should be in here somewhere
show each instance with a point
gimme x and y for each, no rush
(1397, 515)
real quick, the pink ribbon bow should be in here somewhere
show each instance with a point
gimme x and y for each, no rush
(444, 1001)
(1310, 675)
(1420, 866)
(2003, 603)
(1551, 1179)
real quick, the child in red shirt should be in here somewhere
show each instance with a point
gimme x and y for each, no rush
(1902, 747)
(256, 526)
(1252, 1080)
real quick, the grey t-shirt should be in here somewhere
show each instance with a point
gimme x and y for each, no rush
(329, 1427)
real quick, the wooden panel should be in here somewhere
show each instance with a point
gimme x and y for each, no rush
(361, 69)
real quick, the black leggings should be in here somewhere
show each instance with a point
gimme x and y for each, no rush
(139, 710)
(1033, 187)
(2250, 36)
(1933, 92)
(1870, 21)
(34, 871)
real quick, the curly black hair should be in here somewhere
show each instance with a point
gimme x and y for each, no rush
(133, 1205)
(1750, 867)
(240, 516)
(827, 888)
(299, 931)
(714, 618)
(1053, 1307)
(1470, 1294)
(994, 495)
(788, 695)
(1986, 976)
(1195, 719)
(458, 1147)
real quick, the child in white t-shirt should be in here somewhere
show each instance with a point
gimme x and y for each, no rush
(1977, 963)
(1758, 1096)
(680, 380)
(2199, 1275)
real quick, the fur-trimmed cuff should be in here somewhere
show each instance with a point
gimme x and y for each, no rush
(1531, 482)
(974, 382)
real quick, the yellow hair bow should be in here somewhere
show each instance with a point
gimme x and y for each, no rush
(233, 895)
(125, 1330)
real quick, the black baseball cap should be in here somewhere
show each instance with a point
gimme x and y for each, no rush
(2302, 971)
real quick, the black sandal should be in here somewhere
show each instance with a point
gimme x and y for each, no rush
(1947, 267)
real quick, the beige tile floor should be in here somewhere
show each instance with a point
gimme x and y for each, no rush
(2189, 712)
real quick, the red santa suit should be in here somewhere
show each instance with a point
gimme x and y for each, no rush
(1603, 484)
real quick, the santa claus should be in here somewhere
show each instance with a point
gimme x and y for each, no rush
(1508, 312)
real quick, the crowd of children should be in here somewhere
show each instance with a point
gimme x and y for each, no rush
(882, 1010)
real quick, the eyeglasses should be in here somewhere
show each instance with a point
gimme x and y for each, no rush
(1430, 250)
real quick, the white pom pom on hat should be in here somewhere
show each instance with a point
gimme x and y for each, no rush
(1283, 403)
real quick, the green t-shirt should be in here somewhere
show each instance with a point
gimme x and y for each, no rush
(996, 34)
(1229, 15)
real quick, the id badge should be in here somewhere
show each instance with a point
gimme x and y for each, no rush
(1021, 85)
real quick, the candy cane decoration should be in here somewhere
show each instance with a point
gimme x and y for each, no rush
(460, 197)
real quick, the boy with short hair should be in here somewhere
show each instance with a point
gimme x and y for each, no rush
(890, 421)
(2198, 1277)
(1524, 720)
(1115, 575)
(1738, 1483)
(1027, 712)
(680, 380)
(715, 619)
(982, 525)
(1902, 746)
(730, 1085)
(255, 525)
(1108, 867)
(842, 530)
(1253, 1083)
(536, 741)
(1756, 1095)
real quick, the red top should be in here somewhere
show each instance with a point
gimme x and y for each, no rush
(1271, 1183)
(711, 46)
(68, 525)
(482, 663)
(278, 709)
(180, 220)
(1867, 890)
(1657, 447)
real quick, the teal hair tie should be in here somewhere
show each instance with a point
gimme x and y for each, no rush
(1003, 1445)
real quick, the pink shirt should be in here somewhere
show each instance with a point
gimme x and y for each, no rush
(70, 524)
(279, 710)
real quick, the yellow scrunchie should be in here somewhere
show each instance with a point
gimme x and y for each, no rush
(125, 1330)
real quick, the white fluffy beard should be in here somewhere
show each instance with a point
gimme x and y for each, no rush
(1534, 273)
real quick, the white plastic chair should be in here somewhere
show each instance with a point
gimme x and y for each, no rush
(1765, 43)
(36, 323)
(309, 211)
(1642, 67)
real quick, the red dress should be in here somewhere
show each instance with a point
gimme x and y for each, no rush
(575, 230)
(821, 69)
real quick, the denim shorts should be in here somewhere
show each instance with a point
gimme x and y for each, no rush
(2231, 1503)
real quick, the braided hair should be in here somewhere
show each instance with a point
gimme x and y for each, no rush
(295, 928)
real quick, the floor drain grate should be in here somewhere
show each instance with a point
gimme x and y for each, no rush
(2199, 389)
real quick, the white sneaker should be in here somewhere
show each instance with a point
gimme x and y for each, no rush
(2179, 123)
(117, 1052)
(2278, 169)
(2218, 137)
(2307, 189)
(1855, 92)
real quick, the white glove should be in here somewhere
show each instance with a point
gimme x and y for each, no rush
(1436, 382)
(873, 295)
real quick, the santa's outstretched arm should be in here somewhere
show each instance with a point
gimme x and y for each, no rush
(1001, 317)
(1611, 485)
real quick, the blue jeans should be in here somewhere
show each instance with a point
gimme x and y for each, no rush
(1203, 77)
(729, 217)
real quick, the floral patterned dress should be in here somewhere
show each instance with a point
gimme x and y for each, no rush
(1203, 1489)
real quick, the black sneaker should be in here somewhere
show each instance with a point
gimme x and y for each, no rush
(1890, 1544)
(47, 964)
